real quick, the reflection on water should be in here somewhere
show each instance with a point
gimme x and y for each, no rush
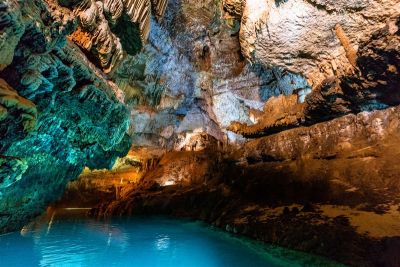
(142, 242)
(162, 242)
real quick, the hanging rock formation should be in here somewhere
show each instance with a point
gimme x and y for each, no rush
(58, 111)
(375, 86)
(159, 7)
(314, 38)
(191, 79)
(314, 83)
(322, 159)
(109, 29)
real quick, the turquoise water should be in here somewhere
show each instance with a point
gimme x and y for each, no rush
(141, 242)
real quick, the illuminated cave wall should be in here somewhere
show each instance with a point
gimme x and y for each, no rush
(83, 80)
(59, 112)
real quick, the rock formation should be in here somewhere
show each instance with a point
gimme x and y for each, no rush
(326, 176)
(314, 38)
(337, 96)
(331, 189)
(48, 129)
(260, 117)
(193, 79)
(109, 29)
(59, 112)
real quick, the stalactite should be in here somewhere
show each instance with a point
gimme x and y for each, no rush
(159, 7)
(351, 53)
(139, 11)
(109, 29)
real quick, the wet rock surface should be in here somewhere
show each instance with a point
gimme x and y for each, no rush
(378, 77)
(330, 189)
(191, 78)
(58, 112)
(187, 82)
(107, 30)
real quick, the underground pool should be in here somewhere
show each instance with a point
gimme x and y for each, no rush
(71, 239)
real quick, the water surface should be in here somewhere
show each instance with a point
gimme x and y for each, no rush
(141, 242)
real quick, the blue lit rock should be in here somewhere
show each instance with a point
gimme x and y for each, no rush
(72, 85)
(58, 113)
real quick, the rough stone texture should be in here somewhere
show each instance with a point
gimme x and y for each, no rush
(209, 69)
(375, 87)
(109, 29)
(191, 78)
(300, 35)
(234, 7)
(331, 189)
(279, 113)
(58, 113)
(11, 28)
(189, 87)
(17, 114)
(159, 7)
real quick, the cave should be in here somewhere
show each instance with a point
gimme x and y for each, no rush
(214, 133)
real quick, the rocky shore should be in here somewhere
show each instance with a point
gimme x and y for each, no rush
(329, 189)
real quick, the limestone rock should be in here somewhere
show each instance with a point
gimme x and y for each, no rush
(11, 171)
(11, 30)
(310, 189)
(234, 7)
(94, 34)
(109, 29)
(15, 109)
(58, 114)
(314, 38)
(80, 77)
(280, 113)
(192, 77)
(375, 87)
(327, 101)
(159, 7)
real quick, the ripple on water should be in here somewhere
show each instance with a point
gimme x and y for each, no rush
(141, 242)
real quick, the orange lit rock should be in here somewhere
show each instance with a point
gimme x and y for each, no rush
(280, 113)
(351, 53)
(330, 189)
(12, 103)
(111, 28)
(159, 7)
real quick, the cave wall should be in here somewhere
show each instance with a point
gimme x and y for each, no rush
(331, 189)
(346, 51)
(317, 38)
(318, 170)
(191, 78)
(82, 80)
(59, 113)
(199, 75)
